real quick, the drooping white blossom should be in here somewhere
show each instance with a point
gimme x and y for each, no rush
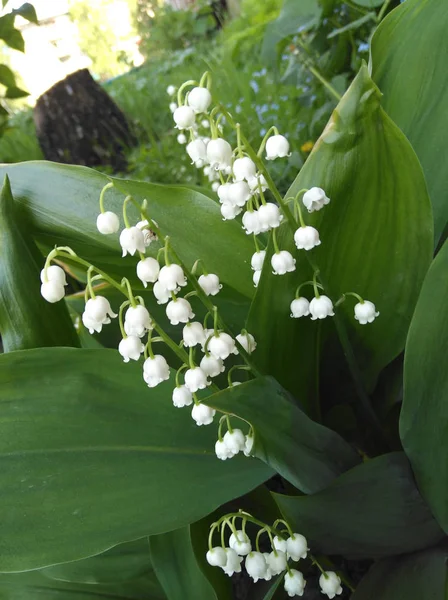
(221, 345)
(219, 154)
(269, 216)
(257, 260)
(199, 98)
(179, 311)
(216, 557)
(365, 312)
(233, 563)
(210, 284)
(277, 146)
(294, 583)
(238, 193)
(193, 334)
(235, 441)
(212, 366)
(196, 379)
(279, 544)
(297, 546)
(256, 278)
(107, 222)
(244, 169)
(184, 117)
(137, 321)
(283, 262)
(306, 238)
(247, 341)
(155, 370)
(171, 277)
(182, 396)
(256, 566)
(321, 307)
(97, 313)
(197, 151)
(221, 450)
(148, 270)
(52, 291)
(251, 222)
(202, 414)
(130, 348)
(240, 543)
(230, 211)
(132, 240)
(276, 562)
(315, 199)
(330, 584)
(300, 307)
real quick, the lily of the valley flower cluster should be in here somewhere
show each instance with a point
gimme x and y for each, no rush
(240, 180)
(285, 547)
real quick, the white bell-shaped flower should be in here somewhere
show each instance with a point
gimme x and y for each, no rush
(148, 270)
(230, 211)
(212, 366)
(277, 146)
(182, 396)
(182, 138)
(132, 240)
(179, 311)
(97, 313)
(221, 450)
(216, 557)
(155, 370)
(171, 90)
(196, 379)
(210, 284)
(148, 235)
(300, 307)
(240, 543)
(244, 169)
(184, 117)
(276, 562)
(269, 216)
(268, 575)
(197, 151)
(54, 273)
(130, 348)
(256, 278)
(248, 445)
(297, 546)
(321, 307)
(247, 341)
(257, 260)
(257, 182)
(219, 154)
(171, 277)
(283, 262)
(52, 291)
(279, 544)
(193, 334)
(215, 186)
(365, 312)
(223, 193)
(199, 99)
(161, 293)
(251, 222)
(221, 345)
(306, 238)
(330, 584)
(137, 321)
(233, 563)
(173, 106)
(315, 199)
(235, 441)
(238, 193)
(202, 414)
(107, 222)
(256, 566)
(294, 583)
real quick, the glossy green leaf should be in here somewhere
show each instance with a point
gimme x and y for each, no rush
(376, 236)
(7, 77)
(121, 563)
(369, 3)
(91, 455)
(305, 453)
(177, 569)
(417, 576)
(409, 50)
(26, 319)
(9, 34)
(28, 12)
(372, 511)
(16, 92)
(424, 415)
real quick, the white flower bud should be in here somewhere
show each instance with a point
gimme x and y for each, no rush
(199, 99)
(182, 138)
(235, 441)
(205, 123)
(306, 238)
(219, 154)
(223, 193)
(229, 211)
(132, 240)
(55, 274)
(276, 562)
(107, 222)
(256, 182)
(182, 396)
(294, 583)
(256, 278)
(130, 348)
(171, 90)
(52, 291)
(256, 566)
(269, 216)
(277, 146)
(212, 366)
(193, 334)
(248, 445)
(197, 151)
(244, 169)
(155, 370)
(279, 544)
(321, 307)
(148, 235)
(210, 284)
(238, 193)
(240, 543)
(161, 293)
(173, 106)
(233, 563)
(221, 346)
(251, 222)
(148, 270)
(247, 341)
(196, 379)
(183, 117)
(97, 313)
(215, 186)
(315, 199)
(257, 260)
(202, 414)
(283, 262)
(179, 311)
(221, 451)
(297, 546)
(216, 557)
(330, 584)
(137, 321)
(300, 307)
(172, 276)
(365, 312)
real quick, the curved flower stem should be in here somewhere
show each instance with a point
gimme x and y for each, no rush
(103, 191)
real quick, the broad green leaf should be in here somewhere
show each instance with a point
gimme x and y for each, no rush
(62, 205)
(26, 319)
(424, 415)
(177, 569)
(16, 92)
(91, 455)
(28, 12)
(34, 586)
(121, 563)
(369, 3)
(305, 453)
(408, 64)
(7, 77)
(11, 36)
(417, 576)
(372, 511)
(376, 236)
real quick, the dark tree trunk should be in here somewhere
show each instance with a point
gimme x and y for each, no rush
(78, 123)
